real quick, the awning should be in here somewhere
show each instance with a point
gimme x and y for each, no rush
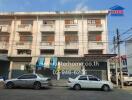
(40, 62)
(53, 63)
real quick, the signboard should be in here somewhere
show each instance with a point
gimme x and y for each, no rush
(116, 11)
(95, 65)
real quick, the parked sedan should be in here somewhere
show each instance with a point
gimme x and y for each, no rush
(35, 81)
(1, 79)
(89, 81)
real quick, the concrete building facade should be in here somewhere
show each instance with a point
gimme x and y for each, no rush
(129, 55)
(25, 36)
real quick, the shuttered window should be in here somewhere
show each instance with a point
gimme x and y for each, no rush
(4, 38)
(71, 38)
(25, 38)
(71, 21)
(96, 22)
(95, 36)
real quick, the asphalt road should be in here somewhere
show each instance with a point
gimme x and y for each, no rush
(62, 93)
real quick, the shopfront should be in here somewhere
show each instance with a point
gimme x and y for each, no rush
(98, 65)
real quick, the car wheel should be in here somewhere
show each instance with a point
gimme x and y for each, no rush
(37, 85)
(9, 85)
(105, 88)
(77, 87)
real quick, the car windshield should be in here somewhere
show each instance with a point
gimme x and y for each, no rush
(40, 75)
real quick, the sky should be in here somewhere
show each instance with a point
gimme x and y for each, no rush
(122, 23)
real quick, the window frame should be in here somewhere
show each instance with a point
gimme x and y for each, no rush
(83, 76)
(27, 77)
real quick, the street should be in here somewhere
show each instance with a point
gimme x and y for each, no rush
(62, 93)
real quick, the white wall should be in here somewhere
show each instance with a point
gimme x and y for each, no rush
(129, 56)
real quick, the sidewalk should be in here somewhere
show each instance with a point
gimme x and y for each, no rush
(59, 83)
(1, 85)
(127, 88)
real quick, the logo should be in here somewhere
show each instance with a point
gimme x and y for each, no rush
(116, 11)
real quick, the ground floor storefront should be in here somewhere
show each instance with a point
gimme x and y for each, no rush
(64, 67)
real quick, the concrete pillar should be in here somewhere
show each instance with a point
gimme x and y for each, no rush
(10, 70)
(58, 71)
(83, 70)
(108, 70)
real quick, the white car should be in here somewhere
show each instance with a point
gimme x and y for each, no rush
(1, 79)
(89, 81)
(35, 81)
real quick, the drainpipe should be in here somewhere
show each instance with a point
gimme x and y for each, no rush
(83, 67)
(35, 55)
(12, 44)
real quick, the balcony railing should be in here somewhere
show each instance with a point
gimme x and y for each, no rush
(5, 28)
(71, 45)
(23, 45)
(47, 45)
(24, 28)
(95, 27)
(47, 28)
(71, 27)
(4, 45)
(95, 45)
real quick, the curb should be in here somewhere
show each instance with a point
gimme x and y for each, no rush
(1, 85)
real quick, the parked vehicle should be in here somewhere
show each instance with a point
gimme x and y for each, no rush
(1, 79)
(89, 81)
(127, 80)
(35, 81)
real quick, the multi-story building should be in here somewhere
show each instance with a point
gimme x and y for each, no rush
(25, 36)
(129, 55)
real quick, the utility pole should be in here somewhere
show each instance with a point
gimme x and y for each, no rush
(115, 60)
(119, 55)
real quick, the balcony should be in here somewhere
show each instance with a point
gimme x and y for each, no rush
(71, 27)
(47, 28)
(47, 45)
(95, 45)
(4, 45)
(22, 53)
(24, 28)
(71, 45)
(23, 45)
(4, 29)
(95, 28)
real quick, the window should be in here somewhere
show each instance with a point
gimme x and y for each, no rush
(48, 37)
(3, 51)
(92, 78)
(48, 22)
(95, 36)
(71, 37)
(82, 78)
(71, 51)
(46, 52)
(5, 22)
(96, 22)
(71, 21)
(4, 38)
(27, 77)
(26, 38)
(27, 22)
(23, 51)
(95, 51)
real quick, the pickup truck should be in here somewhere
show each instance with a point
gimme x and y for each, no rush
(89, 81)
(127, 80)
